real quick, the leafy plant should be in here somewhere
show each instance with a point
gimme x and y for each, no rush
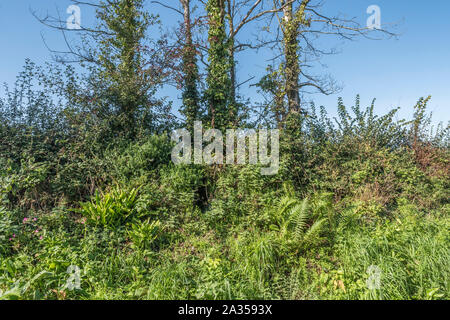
(295, 222)
(112, 209)
(18, 291)
(143, 234)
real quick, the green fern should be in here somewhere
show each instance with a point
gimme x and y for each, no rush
(312, 235)
(298, 218)
(298, 221)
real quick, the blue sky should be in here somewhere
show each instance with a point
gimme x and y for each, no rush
(396, 72)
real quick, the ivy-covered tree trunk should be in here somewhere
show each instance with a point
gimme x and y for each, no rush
(292, 67)
(233, 79)
(121, 62)
(191, 104)
(219, 91)
(291, 23)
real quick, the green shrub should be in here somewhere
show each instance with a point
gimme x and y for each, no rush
(139, 159)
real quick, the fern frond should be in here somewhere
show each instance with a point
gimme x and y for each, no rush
(298, 218)
(286, 204)
(314, 231)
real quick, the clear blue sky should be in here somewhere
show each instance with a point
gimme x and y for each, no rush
(396, 72)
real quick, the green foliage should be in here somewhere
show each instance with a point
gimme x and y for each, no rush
(111, 209)
(144, 234)
(363, 126)
(408, 250)
(352, 192)
(241, 196)
(161, 231)
(7, 231)
(130, 85)
(298, 223)
(138, 159)
(18, 291)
